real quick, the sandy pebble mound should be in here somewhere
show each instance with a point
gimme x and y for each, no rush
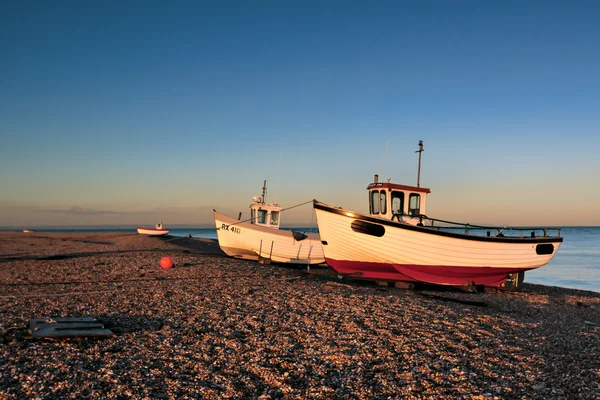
(216, 327)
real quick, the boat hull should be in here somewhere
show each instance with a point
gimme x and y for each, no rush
(365, 247)
(252, 242)
(152, 231)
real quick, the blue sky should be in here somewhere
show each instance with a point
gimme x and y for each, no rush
(131, 112)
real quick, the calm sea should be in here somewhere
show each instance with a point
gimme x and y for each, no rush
(576, 265)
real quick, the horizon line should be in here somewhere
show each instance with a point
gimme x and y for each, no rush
(208, 225)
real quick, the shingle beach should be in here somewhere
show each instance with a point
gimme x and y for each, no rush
(214, 327)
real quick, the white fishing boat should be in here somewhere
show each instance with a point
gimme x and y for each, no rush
(158, 230)
(29, 230)
(260, 238)
(397, 241)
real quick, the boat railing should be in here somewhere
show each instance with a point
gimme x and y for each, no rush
(497, 231)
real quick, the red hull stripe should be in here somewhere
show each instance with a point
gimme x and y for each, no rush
(436, 274)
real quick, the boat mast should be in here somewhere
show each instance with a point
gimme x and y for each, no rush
(419, 170)
(264, 191)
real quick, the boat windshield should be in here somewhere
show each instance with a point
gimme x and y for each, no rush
(262, 216)
(374, 202)
(274, 217)
(414, 204)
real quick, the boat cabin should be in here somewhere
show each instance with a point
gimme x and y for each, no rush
(397, 202)
(263, 214)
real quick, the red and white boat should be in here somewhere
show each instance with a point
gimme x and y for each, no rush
(261, 239)
(158, 230)
(398, 242)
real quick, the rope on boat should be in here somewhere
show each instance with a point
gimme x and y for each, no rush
(312, 216)
(239, 222)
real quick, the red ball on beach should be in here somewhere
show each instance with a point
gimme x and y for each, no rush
(166, 262)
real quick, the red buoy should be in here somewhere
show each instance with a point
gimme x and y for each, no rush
(166, 262)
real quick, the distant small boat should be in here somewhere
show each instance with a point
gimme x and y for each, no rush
(158, 230)
(28, 230)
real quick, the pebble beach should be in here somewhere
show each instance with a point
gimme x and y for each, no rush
(214, 327)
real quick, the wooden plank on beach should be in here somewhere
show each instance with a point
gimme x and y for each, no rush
(75, 325)
(404, 285)
(396, 284)
(62, 319)
(63, 327)
(49, 333)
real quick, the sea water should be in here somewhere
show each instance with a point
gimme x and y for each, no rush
(576, 265)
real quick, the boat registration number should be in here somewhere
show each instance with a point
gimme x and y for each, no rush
(233, 229)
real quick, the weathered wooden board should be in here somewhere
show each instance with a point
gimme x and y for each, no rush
(63, 327)
(62, 319)
(264, 260)
(404, 285)
(49, 333)
(74, 325)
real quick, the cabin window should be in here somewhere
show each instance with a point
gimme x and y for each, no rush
(397, 202)
(262, 216)
(414, 205)
(383, 201)
(253, 216)
(274, 217)
(375, 202)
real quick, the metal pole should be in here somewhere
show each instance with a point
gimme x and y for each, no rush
(419, 170)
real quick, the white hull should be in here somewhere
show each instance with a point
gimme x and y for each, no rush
(152, 231)
(250, 241)
(372, 248)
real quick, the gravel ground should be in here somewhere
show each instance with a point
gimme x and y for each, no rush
(215, 327)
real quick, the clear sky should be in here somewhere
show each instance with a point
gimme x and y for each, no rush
(131, 112)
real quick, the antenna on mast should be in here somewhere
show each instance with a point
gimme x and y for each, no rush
(264, 191)
(384, 153)
(419, 170)
(278, 169)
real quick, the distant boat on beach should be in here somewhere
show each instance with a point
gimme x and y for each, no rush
(397, 241)
(28, 230)
(261, 239)
(158, 230)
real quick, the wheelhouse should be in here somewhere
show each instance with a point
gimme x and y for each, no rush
(397, 202)
(265, 215)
